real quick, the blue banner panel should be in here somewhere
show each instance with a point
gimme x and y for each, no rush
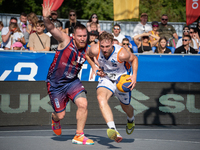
(29, 66)
(169, 68)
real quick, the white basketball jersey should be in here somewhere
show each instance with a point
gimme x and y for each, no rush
(112, 66)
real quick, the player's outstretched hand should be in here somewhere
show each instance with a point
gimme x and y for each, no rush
(46, 9)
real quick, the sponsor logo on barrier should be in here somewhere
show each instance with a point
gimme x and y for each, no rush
(171, 103)
(18, 67)
(36, 103)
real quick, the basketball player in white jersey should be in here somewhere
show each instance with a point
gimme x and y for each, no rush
(113, 61)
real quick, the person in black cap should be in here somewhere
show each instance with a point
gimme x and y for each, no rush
(154, 31)
(93, 37)
(54, 43)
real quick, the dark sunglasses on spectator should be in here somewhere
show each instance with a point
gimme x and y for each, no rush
(191, 32)
(164, 19)
(94, 17)
(145, 37)
(186, 31)
(185, 40)
(199, 21)
(116, 28)
(72, 14)
(125, 43)
(155, 25)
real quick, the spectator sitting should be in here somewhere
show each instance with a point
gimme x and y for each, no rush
(162, 46)
(115, 41)
(1, 27)
(39, 41)
(93, 39)
(93, 27)
(116, 33)
(17, 46)
(53, 42)
(127, 45)
(186, 31)
(23, 22)
(198, 26)
(54, 18)
(194, 36)
(155, 26)
(93, 18)
(142, 26)
(69, 25)
(16, 36)
(144, 46)
(23, 26)
(166, 30)
(32, 19)
(185, 48)
(6, 33)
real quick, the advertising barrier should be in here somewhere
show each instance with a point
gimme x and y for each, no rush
(167, 91)
(29, 66)
(27, 103)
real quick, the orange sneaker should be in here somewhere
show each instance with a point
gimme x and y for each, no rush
(56, 127)
(81, 139)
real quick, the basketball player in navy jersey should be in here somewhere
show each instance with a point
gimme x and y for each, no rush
(62, 81)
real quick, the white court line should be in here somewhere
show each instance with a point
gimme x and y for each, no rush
(102, 129)
(136, 139)
(159, 140)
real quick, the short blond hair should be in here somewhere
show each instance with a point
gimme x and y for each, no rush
(106, 36)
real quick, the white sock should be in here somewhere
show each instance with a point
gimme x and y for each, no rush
(131, 119)
(111, 124)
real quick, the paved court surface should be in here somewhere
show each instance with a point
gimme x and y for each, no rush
(143, 138)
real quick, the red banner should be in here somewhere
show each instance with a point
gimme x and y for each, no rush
(56, 3)
(192, 11)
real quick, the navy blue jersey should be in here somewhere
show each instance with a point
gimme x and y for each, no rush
(66, 64)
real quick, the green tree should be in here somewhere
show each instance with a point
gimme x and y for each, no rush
(175, 9)
(104, 9)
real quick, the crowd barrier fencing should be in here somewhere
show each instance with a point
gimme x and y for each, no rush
(127, 27)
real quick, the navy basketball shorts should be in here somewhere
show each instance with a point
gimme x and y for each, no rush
(60, 95)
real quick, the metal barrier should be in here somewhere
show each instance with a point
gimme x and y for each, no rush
(126, 26)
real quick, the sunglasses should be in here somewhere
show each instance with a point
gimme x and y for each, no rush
(72, 14)
(191, 32)
(186, 31)
(116, 28)
(145, 37)
(185, 40)
(164, 19)
(125, 43)
(94, 17)
(155, 25)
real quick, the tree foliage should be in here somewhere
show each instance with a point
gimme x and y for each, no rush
(175, 9)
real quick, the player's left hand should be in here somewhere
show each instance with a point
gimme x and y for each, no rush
(133, 82)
